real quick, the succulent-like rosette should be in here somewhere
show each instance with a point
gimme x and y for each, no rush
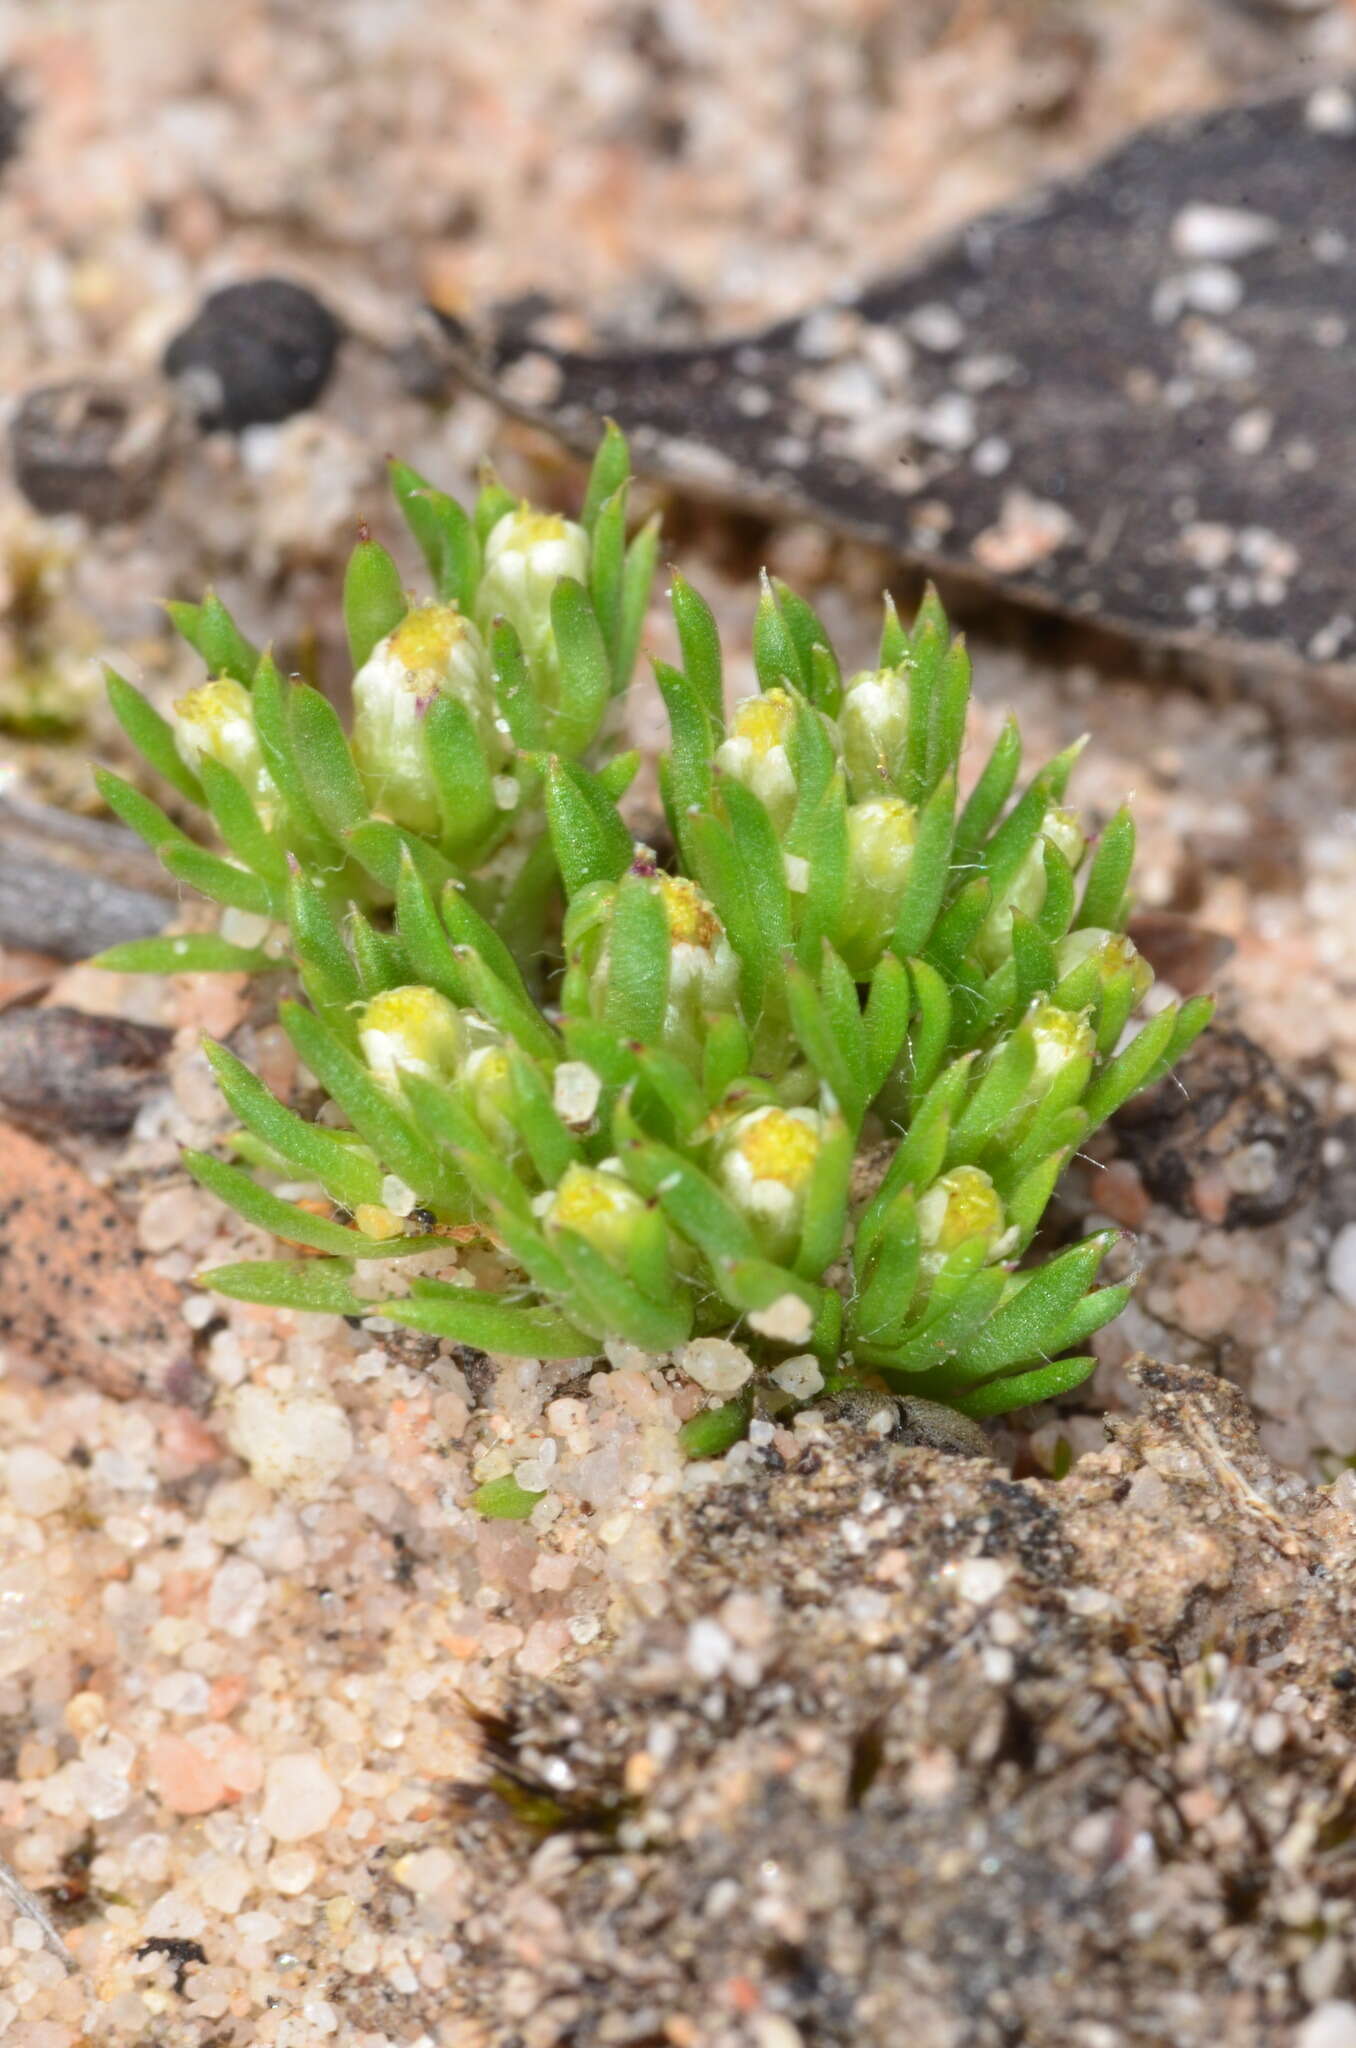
(434, 652)
(806, 1084)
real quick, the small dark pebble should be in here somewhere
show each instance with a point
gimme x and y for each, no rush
(1344, 1679)
(90, 447)
(254, 353)
(176, 1950)
(1227, 1110)
(65, 1070)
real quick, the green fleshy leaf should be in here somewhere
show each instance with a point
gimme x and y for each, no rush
(1109, 875)
(151, 735)
(591, 842)
(725, 1056)
(380, 850)
(699, 639)
(821, 674)
(424, 936)
(241, 827)
(461, 775)
(1125, 1075)
(637, 986)
(825, 848)
(894, 641)
(467, 1317)
(331, 780)
(1056, 912)
(989, 794)
(505, 1007)
(145, 818)
(585, 669)
(885, 1021)
(880, 1313)
(776, 656)
(381, 961)
(295, 1226)
(692, 743)
(332, 979)
(637, 582)
(1024, 1390)
(826, 1200)
(235, 887)
(446, 536)
(607, 554)
(929, 870)
(515, 689)
(931, 1032)
(827, 1056)
(373, 1114)
(322, 1285)
(614, 1302)
(212, 633)
(610, 473)
(189, 953)
(950, 701)
(1026, 1326)
(503, 1500)
(716, 1430)
(466, 927)
(272, 703)
(493, 503)
(348, 1174)
(374, 599)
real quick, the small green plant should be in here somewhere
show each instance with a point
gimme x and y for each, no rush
(808, 1076)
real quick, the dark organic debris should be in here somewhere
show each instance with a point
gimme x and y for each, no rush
(66, 1070)
(178, 1951)
(90, 446)
(254, 352)
(1226, 1138)
(72, 886)
(1126, 398)
(1027, 1763)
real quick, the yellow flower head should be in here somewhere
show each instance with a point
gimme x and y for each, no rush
(411, 1030)
(764, 722)
(598, 1206)
(691, 920)
(428, 636)
(779, 1147)
(961, 1205)
(216, 721)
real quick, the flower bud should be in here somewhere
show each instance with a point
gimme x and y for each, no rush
(874, 723)
(881, 834)
(1114, 952)
(434, 651)
(599, 1206)
(526, 555)
(217, 721)
(1059, 1037)
(756, 752)
(703, 969)
(1026, 891)
(411, 1030)
(765, 1161)
(961, 1205)
(485, 1076)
